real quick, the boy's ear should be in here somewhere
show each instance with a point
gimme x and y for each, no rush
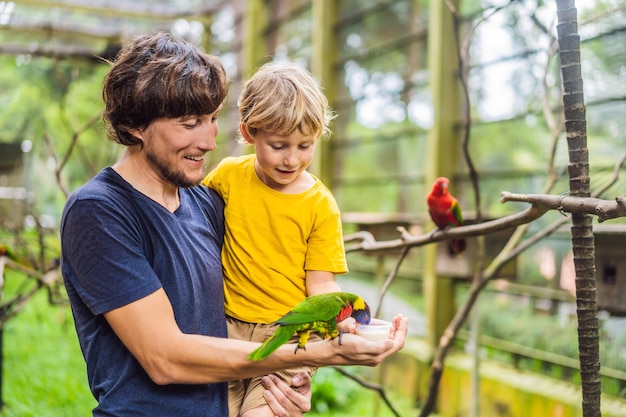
(245, 135)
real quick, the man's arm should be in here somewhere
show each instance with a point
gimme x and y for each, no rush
(148, 329)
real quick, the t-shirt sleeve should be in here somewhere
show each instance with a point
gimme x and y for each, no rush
(210, 179)
(216, 179)
(104, 257)
(325, 250)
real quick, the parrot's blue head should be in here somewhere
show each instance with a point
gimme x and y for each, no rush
(361, 312)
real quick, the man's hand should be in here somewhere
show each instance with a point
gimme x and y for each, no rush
(288, 400)
(356, 350)
(347, 326)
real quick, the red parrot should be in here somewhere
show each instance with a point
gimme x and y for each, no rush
(446, 212)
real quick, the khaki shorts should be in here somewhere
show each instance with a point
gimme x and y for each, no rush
(246, 394)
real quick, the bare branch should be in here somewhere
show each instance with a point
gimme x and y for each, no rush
(73, 143)
(57, 170)
(390, 278)
(613, 179)
(604, 209)
(603, 14)
(369, 385)
(367, 241)
(92, 121)
(506, 255)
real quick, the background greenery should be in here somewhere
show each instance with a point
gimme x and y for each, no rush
(381, 156)
(43, 369)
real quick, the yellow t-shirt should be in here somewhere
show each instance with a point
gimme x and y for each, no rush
(271, 239)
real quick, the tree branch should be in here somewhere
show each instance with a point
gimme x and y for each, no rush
(390, 278)
(369, 385)
(369, 244)
(604, 209)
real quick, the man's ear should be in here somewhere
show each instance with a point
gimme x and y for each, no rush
(137, 134)
(249, 139)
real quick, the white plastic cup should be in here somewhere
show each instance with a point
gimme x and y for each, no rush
(376, 330)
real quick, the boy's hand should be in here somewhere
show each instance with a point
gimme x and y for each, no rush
(288, 400)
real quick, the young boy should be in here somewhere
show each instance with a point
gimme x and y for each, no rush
(283, 239)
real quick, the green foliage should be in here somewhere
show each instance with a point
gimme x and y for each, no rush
(30, 86)
(328, 394)
(612, 352)
(82, 112)
(44, 371)
(21, 101)
(37, 251)
(514, 319)
(44, 99)
(380, 171)
(339, 396)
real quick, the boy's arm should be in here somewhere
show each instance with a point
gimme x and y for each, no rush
(320, 282)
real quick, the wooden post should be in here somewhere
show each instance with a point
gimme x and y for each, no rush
(325, 48)
(254, 48)
(206, 42)
(443, 152)
(2, 263)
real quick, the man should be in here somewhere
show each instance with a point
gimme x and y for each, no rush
(141, 253)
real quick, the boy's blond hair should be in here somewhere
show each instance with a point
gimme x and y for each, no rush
(282, 97)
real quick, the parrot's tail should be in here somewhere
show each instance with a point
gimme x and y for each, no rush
(282, 336)
(457, 247)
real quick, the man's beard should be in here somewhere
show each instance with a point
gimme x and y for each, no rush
(177, 178)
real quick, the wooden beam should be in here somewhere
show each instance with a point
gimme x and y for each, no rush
(67, 28)
(56, 51)
(71, 38)
(117, 8)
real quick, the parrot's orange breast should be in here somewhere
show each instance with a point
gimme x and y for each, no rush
(344, 313)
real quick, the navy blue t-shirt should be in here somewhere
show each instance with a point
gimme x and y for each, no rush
(119, 246)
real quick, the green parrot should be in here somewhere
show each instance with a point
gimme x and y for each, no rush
(317, 313)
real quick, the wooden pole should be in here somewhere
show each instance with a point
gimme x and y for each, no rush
(254, 48)
(325, 14)
(443, 152)
(2, 263)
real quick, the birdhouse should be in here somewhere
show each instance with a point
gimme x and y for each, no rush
(12, 190)
(464, 264)
(610, 242)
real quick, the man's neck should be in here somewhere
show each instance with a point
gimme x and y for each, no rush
(142, 178)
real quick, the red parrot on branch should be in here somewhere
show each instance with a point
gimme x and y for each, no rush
(446, 212)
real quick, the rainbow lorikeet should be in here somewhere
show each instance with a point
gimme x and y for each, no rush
(446, 212)
(317, 313)
(5, 251)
